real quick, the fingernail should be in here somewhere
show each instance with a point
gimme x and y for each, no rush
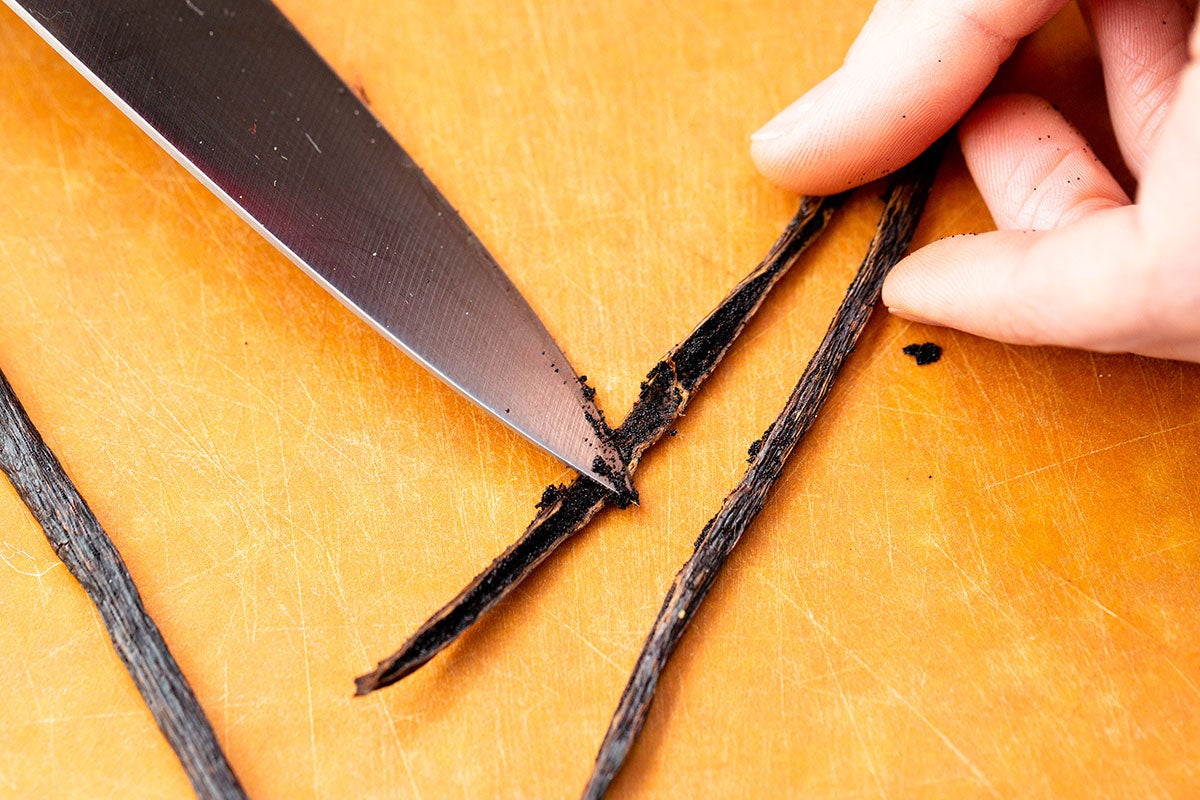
(791, 116)
(782, 123)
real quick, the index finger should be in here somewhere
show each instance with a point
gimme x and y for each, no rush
(915, 69)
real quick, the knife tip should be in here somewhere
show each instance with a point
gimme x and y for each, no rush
(615, 478)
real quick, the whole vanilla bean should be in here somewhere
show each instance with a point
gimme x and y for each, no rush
(904, 202)
(90, 556)
(564, 510)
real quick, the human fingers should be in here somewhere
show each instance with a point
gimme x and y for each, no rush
(1170, 187)
(1168, 204)
(1034, 170)
(1085, 268)
(1105, 276)
(916, 68)
(1143, 46)
(1076, 286)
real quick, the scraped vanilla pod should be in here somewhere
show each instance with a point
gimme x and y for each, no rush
(90, 556)
(904, 202)
(564, 510)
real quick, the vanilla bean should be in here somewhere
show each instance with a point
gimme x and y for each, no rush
(902, 210)
(564, 510)
(90, 556)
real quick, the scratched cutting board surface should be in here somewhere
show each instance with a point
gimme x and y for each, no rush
(978, 578)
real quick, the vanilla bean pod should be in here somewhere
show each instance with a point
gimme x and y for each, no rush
(904, 202)
(564, 510)
(90, 556)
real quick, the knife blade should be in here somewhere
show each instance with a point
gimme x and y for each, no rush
(237, 95)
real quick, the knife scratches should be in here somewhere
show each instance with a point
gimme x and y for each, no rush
(91, 557)
(564, 510)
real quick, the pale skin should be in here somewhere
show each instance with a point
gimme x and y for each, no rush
(1075, 261)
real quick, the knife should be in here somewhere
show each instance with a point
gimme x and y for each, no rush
(233, 91)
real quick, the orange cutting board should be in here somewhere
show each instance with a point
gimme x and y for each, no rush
(977, 578)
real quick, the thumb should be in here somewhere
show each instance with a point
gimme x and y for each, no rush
(1072, 286)
(1101, 275)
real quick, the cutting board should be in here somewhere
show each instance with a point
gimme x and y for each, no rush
(976, 578)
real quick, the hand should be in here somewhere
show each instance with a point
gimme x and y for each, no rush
(1074, 262)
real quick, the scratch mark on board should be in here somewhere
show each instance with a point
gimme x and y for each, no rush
(34, 572)
(1091, 453)
(980, 776)
(312, 726)
(588, 642)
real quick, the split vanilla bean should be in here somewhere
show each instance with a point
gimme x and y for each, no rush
(564, 510)
(904, 203)
(90, 556)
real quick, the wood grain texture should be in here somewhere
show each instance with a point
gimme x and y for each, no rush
(981, 579)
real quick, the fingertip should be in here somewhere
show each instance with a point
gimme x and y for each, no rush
(849, 130)
(784, 150)
(1033, 168)
(921, 287)
(782, 123)
(980, 284)
(1083, 285)
(915, 69)
(989, 113)
(983, 284)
